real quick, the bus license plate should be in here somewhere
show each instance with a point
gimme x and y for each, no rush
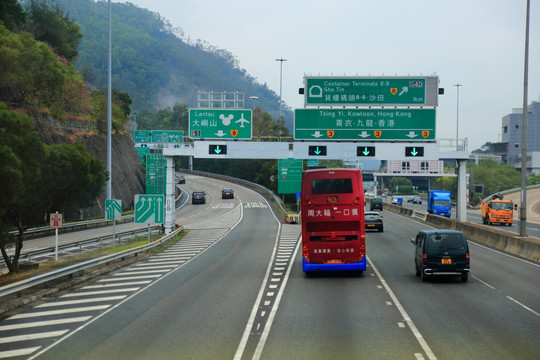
(446, 261)
(334, 261)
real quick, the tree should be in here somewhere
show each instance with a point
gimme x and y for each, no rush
(71, 178)
(400, 185)
(20, 207)
(48, 22)
(494, 176)
(12, 14)
(41, 179)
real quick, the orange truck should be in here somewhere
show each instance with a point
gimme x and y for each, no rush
(498, 211)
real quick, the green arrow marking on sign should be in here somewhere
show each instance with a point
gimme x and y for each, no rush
(366, 151)
(218, 150)
(317, 151)
(149, 208)
(414, 152)
(113, 209)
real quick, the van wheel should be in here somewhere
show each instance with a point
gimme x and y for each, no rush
(423, 276)
(464, 278)
(417, 271)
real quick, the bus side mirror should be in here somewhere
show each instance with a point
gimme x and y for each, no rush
(515, 206)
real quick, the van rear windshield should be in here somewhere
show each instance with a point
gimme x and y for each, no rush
(446, 242)
(331, 186)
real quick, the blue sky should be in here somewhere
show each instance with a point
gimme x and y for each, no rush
(478, 44)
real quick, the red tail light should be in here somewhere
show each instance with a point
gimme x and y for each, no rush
(362, 250)
(467, 258)
(424, 258)
(305, 253)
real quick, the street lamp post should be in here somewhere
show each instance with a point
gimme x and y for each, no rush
(253, 98)
(457, 115)
(281, 60)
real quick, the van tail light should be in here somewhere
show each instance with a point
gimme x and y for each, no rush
(305, 253)
(467, 258)
(424, 258)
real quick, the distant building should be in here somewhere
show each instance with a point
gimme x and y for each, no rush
(510, 146)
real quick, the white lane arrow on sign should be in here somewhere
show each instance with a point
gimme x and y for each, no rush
(364, 134)
(412, 134)
(317, 134)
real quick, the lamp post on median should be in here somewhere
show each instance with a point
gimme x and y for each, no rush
(457, 115)
(281, 60)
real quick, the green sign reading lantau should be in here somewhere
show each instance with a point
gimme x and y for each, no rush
(220, 124)
(371, 91)
(364, 124)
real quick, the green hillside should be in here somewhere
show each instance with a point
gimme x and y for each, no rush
(152, 64)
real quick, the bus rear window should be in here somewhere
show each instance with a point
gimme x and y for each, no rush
(331, 186)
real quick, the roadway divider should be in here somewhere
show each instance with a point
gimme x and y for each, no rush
(526, 247)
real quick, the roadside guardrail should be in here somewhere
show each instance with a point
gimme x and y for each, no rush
(18, 287)
(100, 239)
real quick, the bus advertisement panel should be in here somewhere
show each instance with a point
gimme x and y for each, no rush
(333, 232)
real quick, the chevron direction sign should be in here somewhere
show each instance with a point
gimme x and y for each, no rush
(113, 209)
(149, 208)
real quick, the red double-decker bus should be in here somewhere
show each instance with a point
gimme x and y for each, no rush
(333, 231)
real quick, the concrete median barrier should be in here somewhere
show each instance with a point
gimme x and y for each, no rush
(526, 247)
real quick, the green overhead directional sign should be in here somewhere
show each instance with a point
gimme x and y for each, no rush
(158, 136)
(149, 208)
(354, 91)
(156, 173)
(142, 136)
(167, 136)
(220, 123)
(113, 209)
(364, 124)
(290, 176)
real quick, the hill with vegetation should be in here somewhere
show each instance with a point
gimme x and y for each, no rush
(154, 62)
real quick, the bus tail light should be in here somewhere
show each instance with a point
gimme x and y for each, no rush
(356, 200)
(305, 253)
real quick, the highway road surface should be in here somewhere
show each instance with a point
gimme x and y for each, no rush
(233, 288)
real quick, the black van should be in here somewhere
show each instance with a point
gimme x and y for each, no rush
(441, 252)
(375, 204)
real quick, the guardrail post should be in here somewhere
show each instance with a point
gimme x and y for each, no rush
(80, 247)
(100, 242)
